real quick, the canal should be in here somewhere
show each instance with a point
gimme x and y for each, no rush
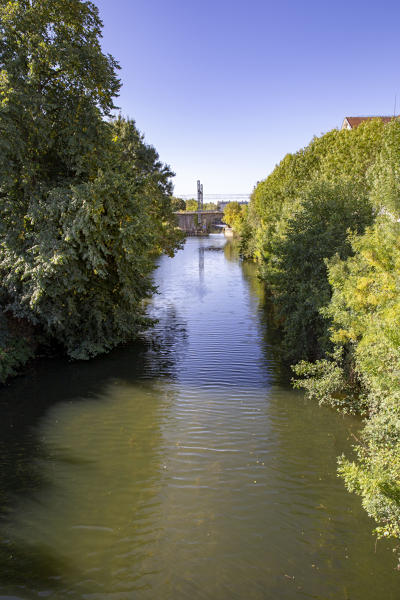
(183, 466)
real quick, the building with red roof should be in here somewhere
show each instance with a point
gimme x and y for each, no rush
(353, 122)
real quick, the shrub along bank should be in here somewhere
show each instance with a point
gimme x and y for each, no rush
(325, 230)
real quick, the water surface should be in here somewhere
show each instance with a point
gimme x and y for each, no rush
(182, 467)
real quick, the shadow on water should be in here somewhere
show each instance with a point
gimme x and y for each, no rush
(25, 400)
(97, 472)
(26, 453)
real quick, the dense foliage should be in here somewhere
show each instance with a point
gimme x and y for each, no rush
(325, 230)
(299, 216)
(235, 216)
(178, 204)
(334, 157)
(317, 230)
(191, 204)
(85, 202)
(16, 346)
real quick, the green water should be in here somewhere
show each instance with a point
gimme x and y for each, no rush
(182, 466)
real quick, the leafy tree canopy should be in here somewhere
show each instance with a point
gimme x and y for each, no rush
(178, 203)
(191, 204)
(235, 215)
(318, 230)
(85, 202)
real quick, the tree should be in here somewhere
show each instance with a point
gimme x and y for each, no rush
(85, 202)
(318, 230)
(384, 175)
(234, 215)
(178, 203)
(191, 204)
(56, 87)
(335, 157)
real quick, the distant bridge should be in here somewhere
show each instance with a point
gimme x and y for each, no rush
(199, 222)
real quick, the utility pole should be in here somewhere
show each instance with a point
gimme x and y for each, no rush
(200, 203)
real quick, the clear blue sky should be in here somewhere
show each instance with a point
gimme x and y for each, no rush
(224, 90)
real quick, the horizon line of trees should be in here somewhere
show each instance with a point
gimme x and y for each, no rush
(179, 204)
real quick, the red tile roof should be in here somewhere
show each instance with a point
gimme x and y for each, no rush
(356, 121)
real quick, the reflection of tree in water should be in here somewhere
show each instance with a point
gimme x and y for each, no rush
(231, 250)
(270, 333)
(256, 285)
(100, 460)
(167, 344)
(19, 477)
